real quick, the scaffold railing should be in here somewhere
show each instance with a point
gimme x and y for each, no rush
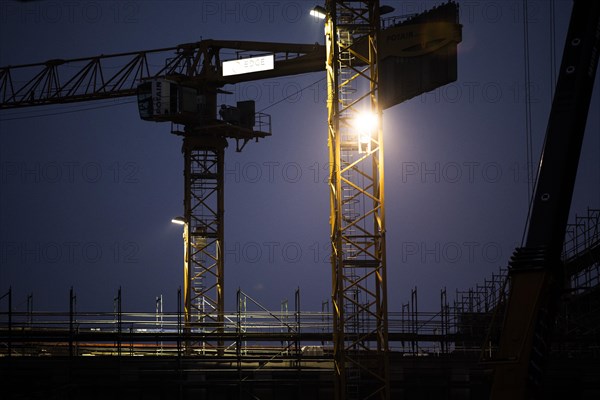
(252, 330)
(247, 330)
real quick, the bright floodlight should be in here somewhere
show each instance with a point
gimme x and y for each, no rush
(365, 122)
(318, 12)
(178, 220)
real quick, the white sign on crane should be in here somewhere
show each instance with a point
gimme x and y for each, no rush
(247, 65)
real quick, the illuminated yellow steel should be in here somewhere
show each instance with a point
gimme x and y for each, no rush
(359, 293)
(204, 235)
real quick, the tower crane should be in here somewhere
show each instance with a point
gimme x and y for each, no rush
(357, 93)
(183, 92)
(411, 56)
(356, 186)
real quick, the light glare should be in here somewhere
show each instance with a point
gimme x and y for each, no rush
(365, 123)
(178, 220)
(318, 12)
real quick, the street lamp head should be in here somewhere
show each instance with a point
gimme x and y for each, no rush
(318, 12)
(178, 220)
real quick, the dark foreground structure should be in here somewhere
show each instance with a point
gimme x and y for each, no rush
(171, 378)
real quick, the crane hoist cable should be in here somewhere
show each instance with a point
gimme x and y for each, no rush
(528, 124)
(73, 110)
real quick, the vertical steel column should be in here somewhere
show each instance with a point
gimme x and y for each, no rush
(203, 207)
(119, 312)
(359, 293)
(9, 321)
(71, 318)
(179, 330)
(238, 343)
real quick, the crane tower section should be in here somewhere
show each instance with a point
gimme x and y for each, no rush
(355, 139)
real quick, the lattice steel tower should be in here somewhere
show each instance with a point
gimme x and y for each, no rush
(359, 292)
(203, 206)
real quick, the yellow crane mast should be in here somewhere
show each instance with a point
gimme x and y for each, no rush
(355, 139)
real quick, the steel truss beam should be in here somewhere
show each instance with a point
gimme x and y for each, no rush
(118, 75)
(359, 292)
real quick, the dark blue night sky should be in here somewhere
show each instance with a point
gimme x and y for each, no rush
(87, 191)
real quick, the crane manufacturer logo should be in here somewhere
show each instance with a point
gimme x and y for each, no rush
(248, 65)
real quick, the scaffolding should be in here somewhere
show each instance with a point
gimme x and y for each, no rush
(581, 253)
(255, 344)
(249, 330)
(579, 319)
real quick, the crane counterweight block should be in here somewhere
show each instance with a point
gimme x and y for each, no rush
(162, 100)
(419, 55)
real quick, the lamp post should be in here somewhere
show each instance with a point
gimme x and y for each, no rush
(186, 277)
